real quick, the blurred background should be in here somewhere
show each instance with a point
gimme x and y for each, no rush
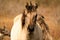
(50, 9)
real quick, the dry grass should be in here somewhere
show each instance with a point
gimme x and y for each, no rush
(51, 14)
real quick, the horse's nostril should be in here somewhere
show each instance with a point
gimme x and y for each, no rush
(30, 28)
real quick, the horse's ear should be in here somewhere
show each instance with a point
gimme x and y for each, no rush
(27, 5)
(36, 6)
(35, 18)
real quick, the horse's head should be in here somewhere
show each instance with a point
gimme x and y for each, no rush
(29, 18)
(29, 21)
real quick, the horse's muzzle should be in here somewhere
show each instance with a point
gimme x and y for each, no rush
(31, 28)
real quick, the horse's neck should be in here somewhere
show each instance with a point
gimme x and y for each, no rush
(18, 21)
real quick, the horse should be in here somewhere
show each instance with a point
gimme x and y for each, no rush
(29, 26)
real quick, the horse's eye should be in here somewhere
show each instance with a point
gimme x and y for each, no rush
(23, 19)
(23, 22)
